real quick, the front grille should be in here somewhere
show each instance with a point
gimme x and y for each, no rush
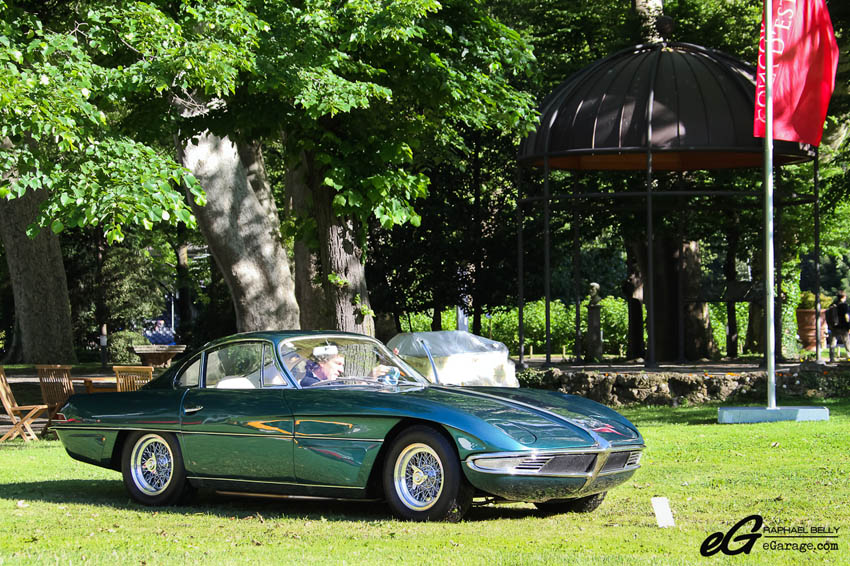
(616, 461)
(570, 464)
(619, 460)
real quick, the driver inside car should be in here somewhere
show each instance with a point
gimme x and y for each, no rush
(325, 363)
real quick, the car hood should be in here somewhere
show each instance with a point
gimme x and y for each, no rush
(537, 419)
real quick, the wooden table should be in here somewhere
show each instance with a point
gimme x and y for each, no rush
(90, 380)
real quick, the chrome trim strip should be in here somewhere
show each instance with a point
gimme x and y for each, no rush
(279, 436)
(296, 497)
(601, 453)
(255, 435)
(300, 436)
(96, 428)
(620, 471)
(203, 478)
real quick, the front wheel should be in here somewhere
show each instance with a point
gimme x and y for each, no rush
(422, 478)
(579, 505)
(152, 465)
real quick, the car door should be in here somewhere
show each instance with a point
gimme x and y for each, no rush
(235, 424)
(336, 438)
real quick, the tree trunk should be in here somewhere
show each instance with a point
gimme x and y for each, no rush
(343, 274)
(729, 272)
(300, 180)
(649, 11)
(241, 227)
(42, 307)
(671, 256)
(699, 341)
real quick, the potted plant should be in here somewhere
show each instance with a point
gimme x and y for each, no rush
(806, 319)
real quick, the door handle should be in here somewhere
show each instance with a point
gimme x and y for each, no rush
(190, 410)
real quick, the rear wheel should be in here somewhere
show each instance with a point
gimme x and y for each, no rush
(579, 505)
(152, 465)
(422, 478)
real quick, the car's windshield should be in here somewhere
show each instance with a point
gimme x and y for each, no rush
(340, 360)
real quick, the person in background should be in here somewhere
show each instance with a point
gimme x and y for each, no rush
(842, 327)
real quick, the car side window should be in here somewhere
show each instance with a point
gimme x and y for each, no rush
(235, 366)
(271, 373)
(190, 376)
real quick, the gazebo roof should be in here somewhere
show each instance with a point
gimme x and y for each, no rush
(701, 102)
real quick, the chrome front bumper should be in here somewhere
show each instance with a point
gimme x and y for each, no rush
(540, 476)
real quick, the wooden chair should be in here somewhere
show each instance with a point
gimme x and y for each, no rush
(22, 415)
(131, 378)
(56, 387)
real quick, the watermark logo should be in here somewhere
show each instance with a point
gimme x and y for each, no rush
(732, 543)
(745, 534)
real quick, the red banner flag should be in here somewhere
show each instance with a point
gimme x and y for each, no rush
(805, 57)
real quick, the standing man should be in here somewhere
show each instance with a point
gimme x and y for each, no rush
(842, 326)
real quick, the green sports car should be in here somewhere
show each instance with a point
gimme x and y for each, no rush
(330, 414)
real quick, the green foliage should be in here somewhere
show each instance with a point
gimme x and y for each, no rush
(337, 280)
(719, 321)
(362, 308)
(130, 285)
(119, 343)
(421, 321)
(614, 315)
(60, 134)
(807, 300)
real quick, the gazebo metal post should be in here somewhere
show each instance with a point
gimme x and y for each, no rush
(777, 307)
(650, 284)
(546, 260)
(577, 273)
(817, 256)
(650, 303)
(680, 288)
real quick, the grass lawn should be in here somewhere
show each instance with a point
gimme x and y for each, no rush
(54, 510)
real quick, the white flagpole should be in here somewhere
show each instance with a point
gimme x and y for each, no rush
(769, 301)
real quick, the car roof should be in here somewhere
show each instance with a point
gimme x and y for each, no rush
(277, 335)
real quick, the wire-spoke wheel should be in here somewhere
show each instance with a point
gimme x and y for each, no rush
(153, 468)
(422, 477)
(151, 464)
(418, 477)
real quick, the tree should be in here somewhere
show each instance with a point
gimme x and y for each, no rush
(355, 90)
(66, 165)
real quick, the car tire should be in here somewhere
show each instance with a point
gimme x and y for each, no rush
(152, 465)
(423, 480)
(578, 505)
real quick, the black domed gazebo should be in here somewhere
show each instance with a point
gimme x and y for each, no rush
(655, 107)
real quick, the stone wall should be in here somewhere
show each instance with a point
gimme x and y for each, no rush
(808, 381)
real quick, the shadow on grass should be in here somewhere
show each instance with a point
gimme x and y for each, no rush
(111, 493)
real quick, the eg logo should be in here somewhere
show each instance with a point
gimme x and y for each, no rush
(718, 542)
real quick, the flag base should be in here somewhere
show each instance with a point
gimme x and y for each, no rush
(738, 415)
